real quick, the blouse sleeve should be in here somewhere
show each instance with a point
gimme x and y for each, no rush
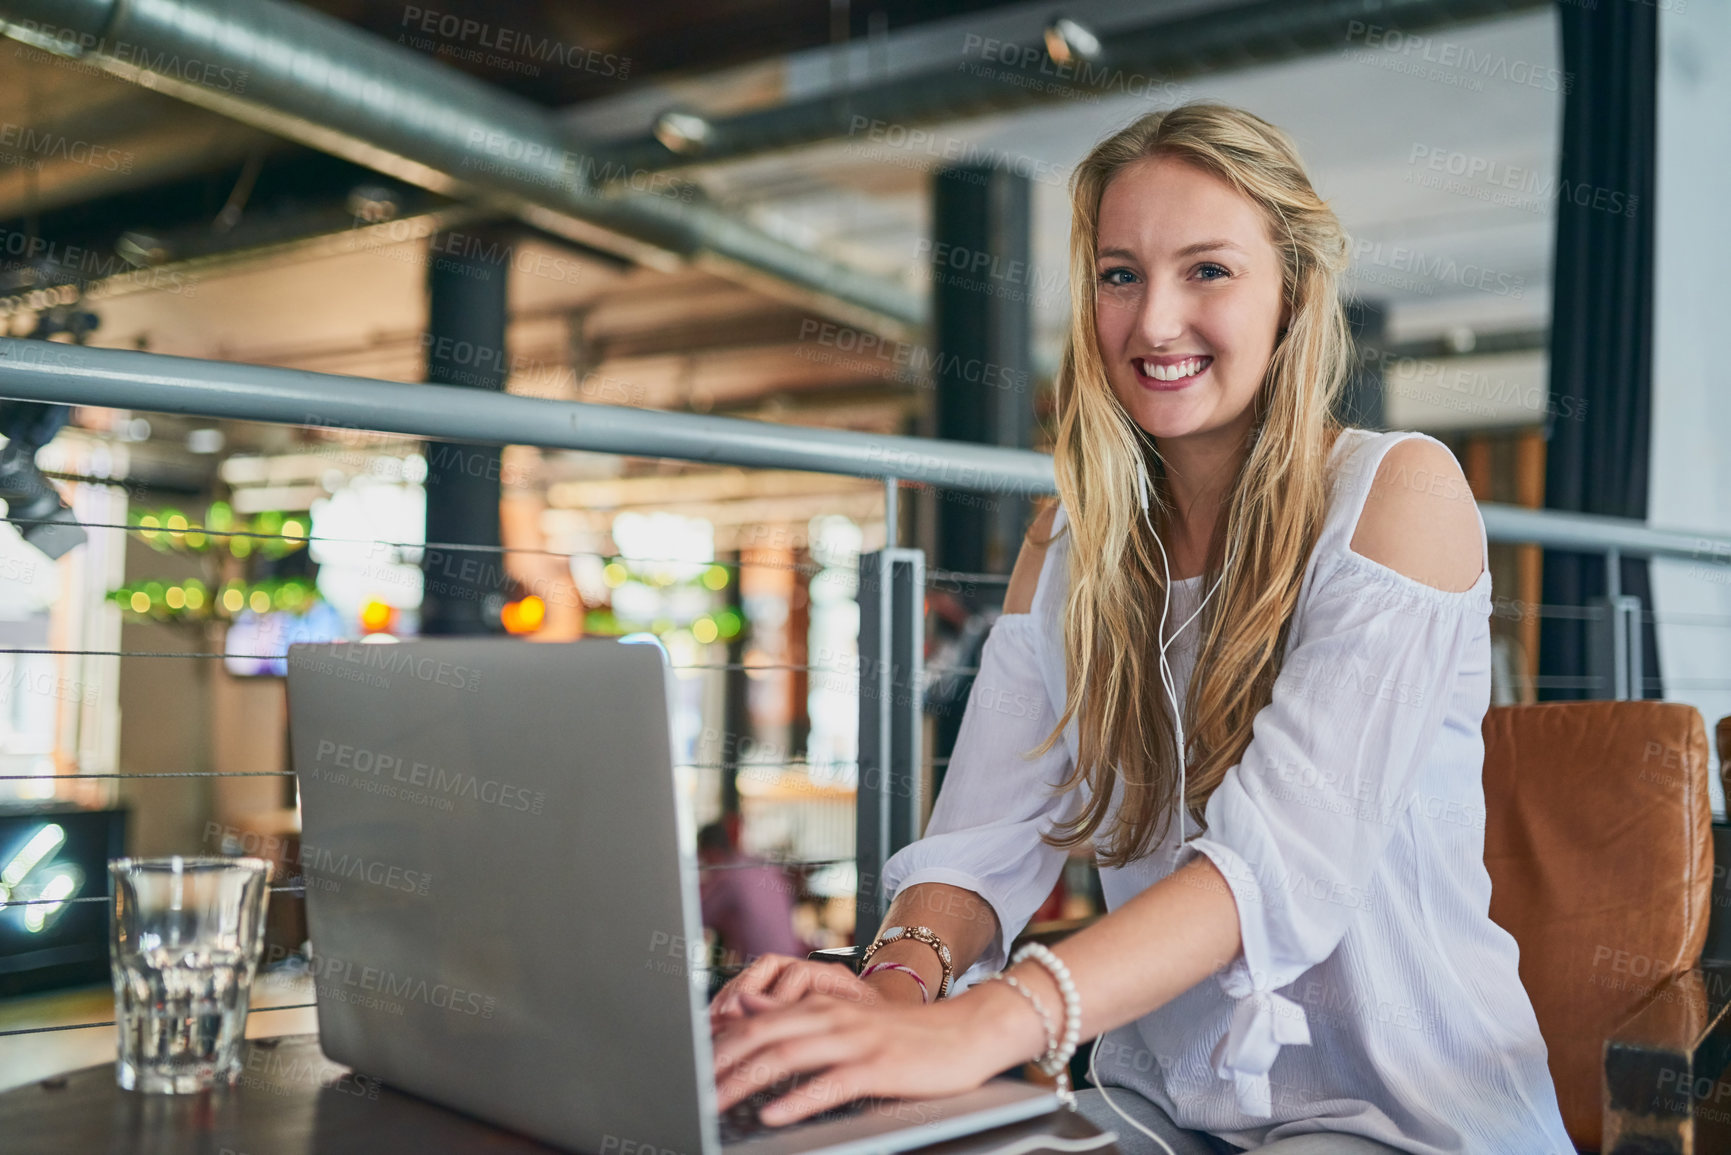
(984, 832)
(1299, 825)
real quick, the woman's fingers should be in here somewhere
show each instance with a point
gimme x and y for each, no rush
(745, 1037)
(823, 978)
(822, 1052)
(837, 1085)
(755, 978)
(749, 1004)
(800, 1055)
(785, 981)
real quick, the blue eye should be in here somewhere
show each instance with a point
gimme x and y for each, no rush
(1221, 270)
(1106, 277)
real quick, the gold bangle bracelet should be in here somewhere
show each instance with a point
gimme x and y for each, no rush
(923, 934)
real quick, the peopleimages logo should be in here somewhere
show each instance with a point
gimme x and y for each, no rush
(396, 660)
(344, 981)
(1423, 271)
(1460, 60)
(19, 250)
(329, 869)
(268, 1070)
(921, 362)
(42, 144)
(499, 45)
(424, 775)
(75, 44)
(1498, 182)
(948, 150)
(33, 680)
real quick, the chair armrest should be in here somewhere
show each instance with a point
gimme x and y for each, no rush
(1665, 1089)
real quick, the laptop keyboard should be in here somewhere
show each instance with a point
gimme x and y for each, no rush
(740, 1121)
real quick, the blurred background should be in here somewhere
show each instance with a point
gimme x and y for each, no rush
(882, 193)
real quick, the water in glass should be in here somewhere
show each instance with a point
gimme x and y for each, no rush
(186, 936)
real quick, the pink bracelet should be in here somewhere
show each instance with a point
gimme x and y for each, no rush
(925, 995)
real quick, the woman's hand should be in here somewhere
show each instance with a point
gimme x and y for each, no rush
(888, 1050)
(781, 979)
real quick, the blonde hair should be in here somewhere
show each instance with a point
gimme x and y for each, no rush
(1274, 508)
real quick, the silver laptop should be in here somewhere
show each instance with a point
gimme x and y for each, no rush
(502, 901)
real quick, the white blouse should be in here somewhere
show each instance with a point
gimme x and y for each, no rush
(1374, 995)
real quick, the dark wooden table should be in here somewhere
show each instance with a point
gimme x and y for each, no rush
(291, 1100)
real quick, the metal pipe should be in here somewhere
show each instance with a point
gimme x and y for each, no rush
(1590, 533)
(306, 76)
(155, 382)
(123, 379)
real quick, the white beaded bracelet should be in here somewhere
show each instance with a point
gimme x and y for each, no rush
(1065, 1095)
(1039, 1007)
(1057, 1059)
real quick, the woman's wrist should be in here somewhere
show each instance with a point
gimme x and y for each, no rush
(1004, 1021)
(898, 987)
(894, 991)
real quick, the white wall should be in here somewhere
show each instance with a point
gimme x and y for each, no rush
(1691, 459)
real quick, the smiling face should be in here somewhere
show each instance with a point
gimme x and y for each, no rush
(1189, 300)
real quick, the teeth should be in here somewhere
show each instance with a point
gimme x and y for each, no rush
(1185, 368)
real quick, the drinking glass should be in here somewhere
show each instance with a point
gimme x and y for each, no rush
(184, 942)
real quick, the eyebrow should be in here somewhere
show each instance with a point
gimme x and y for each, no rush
(1187, 251)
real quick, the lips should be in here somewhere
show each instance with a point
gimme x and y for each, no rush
(1170, 372)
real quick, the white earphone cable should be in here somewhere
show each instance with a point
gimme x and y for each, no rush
(1167, 681)
(1166, 677)
(1055, 1143)
(1107, 1099)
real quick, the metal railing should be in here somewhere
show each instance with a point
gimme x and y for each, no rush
(892, 777)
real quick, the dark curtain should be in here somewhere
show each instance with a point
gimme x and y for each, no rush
(1602, 316)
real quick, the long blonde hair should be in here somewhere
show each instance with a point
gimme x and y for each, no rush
(1274, 510)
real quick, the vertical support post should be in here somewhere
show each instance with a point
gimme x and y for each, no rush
(984, 297)
(1363, 402)
(799, 653)
(1614, 652)
(892, 515)
(736, 692)
(465, 344)
(983, 301)
(891, 678)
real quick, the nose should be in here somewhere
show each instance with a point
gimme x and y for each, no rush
(1162, 319)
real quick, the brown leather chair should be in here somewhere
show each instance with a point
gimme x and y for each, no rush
(1598, 842)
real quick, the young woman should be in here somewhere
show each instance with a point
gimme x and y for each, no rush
(1252, 674)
